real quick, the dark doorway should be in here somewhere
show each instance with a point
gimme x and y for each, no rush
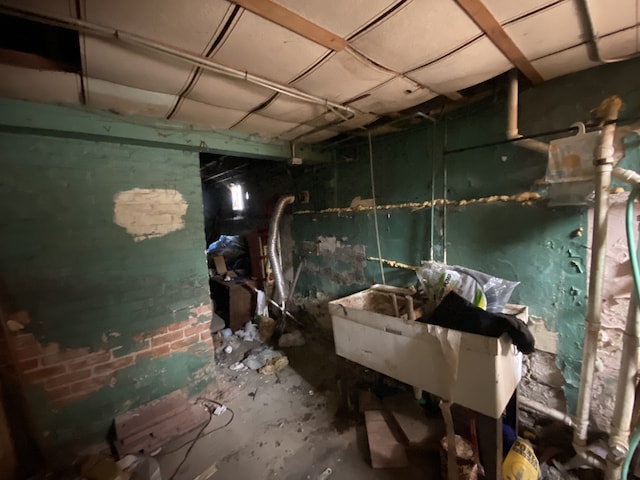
(239, 195)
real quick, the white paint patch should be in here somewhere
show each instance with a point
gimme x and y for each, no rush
(546, 340)
(149, 212)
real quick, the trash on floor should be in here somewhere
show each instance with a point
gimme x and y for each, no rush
(467, 468)
(521, 462)
(291, 339)
(274, 366)
(266, 328)
(249, 333)
(258, 357)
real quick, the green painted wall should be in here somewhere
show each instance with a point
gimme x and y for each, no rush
(528, 243)
(84, 280)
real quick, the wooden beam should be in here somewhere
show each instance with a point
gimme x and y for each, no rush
(284, 17)
(479, 13)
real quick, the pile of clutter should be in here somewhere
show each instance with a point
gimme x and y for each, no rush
(263, 358)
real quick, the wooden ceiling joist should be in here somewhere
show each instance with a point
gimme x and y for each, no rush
(481, 15)
(284, 17)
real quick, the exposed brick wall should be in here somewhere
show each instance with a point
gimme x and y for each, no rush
(70, 375)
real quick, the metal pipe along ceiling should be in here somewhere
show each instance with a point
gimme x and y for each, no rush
(89, 28)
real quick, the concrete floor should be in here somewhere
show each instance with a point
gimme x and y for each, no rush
(288, 430)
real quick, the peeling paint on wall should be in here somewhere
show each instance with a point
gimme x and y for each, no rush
(149, 212)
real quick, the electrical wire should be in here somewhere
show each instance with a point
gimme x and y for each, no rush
(200, 435)
(375, 207)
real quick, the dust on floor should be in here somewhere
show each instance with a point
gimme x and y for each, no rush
(284, 427)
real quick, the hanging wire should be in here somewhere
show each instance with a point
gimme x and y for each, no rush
(375, 208)
(433, 189)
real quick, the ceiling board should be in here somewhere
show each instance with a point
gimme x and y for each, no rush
(265, 49)
(568, 61)
(342, 76)
(256, 124)
(228, 92)
(296, 132)
(198, 113)
(280, 15)
(395, 95)
(39, 85)
(340, 17)
(133, 67)
(607, 19)
(417, 34)
(507, 10)
(127, 100)
(191, 25)
(471, 65)
(292, 110)
(619, 44)
(548, 31)
(319, 136)
(358, 121)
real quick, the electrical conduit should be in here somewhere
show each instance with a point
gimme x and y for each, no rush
(273, 251)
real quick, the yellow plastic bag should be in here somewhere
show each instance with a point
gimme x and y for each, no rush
(521, 462)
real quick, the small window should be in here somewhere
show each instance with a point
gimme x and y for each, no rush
(237, 198)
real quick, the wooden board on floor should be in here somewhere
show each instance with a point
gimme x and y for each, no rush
(146, 428)
(421, 432)
(386, 451)
(368, 401)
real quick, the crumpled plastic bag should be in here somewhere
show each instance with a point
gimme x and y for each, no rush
(485, 291)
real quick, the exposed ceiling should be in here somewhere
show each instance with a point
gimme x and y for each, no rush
(338, 65)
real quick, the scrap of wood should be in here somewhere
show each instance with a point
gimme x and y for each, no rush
(420, 432)
(386, 451)
(368, 401)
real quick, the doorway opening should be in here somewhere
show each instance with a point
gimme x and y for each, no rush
(239, 195)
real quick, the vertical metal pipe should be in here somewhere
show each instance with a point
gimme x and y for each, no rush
(274, 234)
(607, 111)
(625, 394)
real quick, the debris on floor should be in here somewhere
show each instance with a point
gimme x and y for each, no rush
(249, 333)
(292, 339)
(274, 365)
(467, 468)
(258, 357)
(266, 327)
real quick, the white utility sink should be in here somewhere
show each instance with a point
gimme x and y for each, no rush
(477, 372)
